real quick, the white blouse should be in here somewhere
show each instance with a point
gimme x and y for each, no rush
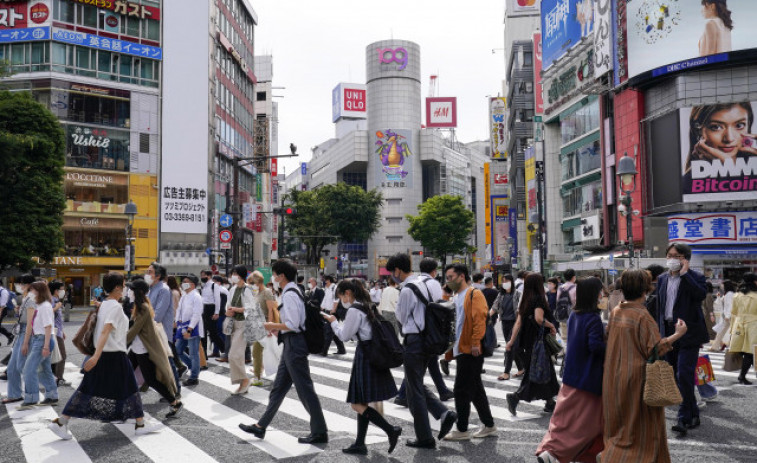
(355, 322)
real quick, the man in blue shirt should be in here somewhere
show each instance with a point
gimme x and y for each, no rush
(162, 303)
(293, 367)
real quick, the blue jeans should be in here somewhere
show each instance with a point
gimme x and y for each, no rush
(193, 359)
(707, 391)
(16, 366)
(32, 377)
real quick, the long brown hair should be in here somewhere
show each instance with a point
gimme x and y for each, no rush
(701, 116)
(533, 295)
(43, 292)
(721, 9)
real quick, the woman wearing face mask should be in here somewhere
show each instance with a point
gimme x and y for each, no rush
(241, 299)
(552, 285)
(59, 292)
(38, 347)
(108, 391)
(267, 302)
(503, 305)
(148, 349)
(367, 384)
(18, 355)
(728, 289)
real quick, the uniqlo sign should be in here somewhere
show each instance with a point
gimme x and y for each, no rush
(354, 99)
(13, 15)
(348, 101)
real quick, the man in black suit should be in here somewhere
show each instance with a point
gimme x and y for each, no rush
(679, 293)
(314, 292)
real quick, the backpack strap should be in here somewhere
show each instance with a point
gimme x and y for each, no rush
(302, 298)
(421, 298)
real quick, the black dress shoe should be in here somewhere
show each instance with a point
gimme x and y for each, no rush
(182, 370)
(341, 352)
(191, 382)
(444, 365)
(744, 381)
(449, 420)
(424, 444)
(4, 377)
(394, 437)
(314, 439)
(253, 429)
(400, 402)
(550, 406)
(512, 403)
(694, 423)
(680, 428)
(446, 396)
(356, 450)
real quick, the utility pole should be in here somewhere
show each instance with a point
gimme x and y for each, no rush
(540, 212)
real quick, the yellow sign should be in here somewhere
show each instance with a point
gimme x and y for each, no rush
(322, 263)
(487, 204)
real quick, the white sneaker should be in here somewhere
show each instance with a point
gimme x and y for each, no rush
(458, 435)
(60, 430)
(546, 457)
(147, 428)
(484, 431)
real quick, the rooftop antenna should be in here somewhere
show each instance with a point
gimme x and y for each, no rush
(433, 86)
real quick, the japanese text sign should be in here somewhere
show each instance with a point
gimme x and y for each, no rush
(718, 228)
(104, 43)
(29, 34)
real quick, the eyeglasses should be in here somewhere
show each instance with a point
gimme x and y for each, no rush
(675, 256)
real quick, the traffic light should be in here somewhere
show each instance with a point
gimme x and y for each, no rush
(287, 211)
(418, 253)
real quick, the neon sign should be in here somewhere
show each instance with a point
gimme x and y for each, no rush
(388, 56)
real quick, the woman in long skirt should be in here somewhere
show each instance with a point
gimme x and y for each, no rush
(108, 391)
(532, 314)
(241, 300)
(575, 430)
(367, 384)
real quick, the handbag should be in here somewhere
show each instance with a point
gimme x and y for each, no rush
(490, 339)
(539, 372)
(228, 326)
(660, 388)
(254, 321)
(271, 354)
(733, 361)
(84, 340)
(55, 356)
(704, 373)
(554, 346)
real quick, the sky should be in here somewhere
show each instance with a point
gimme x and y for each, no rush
(317, 44)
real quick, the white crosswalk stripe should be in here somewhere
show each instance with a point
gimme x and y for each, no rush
(210, 406)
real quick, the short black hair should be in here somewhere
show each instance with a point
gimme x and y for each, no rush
(300, 278)
(460, 269)
(55, 285)
(285, 267)
(682, 248)
(522, 274)
(193, 278)
(217, 278)
(749, 284)
(330, 278)
(587, 294)
(488, 280)
(709, 286)
(569, 274)
(656, 270)
(240, 270)
(206, 272)
(729, 286)
(427, 265)
(477, 277)
(27, 279)
(160, 271)
(398, 261)
(111, 281)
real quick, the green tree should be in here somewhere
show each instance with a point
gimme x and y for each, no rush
(333, 213)
(442, 226)
(32, 155)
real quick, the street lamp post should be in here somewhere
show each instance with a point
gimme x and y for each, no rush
(131, 211)
(627, 174)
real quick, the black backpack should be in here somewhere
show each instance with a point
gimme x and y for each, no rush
(564, 305)
(386, 351)
(313, 324)
(439, 333)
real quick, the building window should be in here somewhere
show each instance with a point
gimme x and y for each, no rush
(528, 59)
(582, 160)
(580, 122)
(260, 96)
(144, 142)
(585, 198)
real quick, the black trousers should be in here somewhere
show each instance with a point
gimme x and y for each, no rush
(470, 389)
(420, 400)
(512, 354)
(328, 336)
(436, 377)
(211, 330)
(746, 363)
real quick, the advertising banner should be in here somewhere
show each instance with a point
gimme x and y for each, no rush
(441, 112)
(620, 37)
(393, 148)
(104, 43)
(512, 217)
(349, 100)
(13, 15)
(718, 152)
(603, 59)
(563, 24)
(714, 228)
(501, 229)
(498, 123)
(673, 36)
(538, 84)
(27, 34)
(487, 203)
(522, 7)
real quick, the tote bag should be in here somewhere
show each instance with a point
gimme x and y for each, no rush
(660, 388)
(540, 365)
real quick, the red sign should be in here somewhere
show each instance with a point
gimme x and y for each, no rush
(441, 112)
(225, 236)
(258, 218)
(111, 21)
(354, 100)
(538, 85)
(274, 244)
(39, 13)
(274, 167)
(500, 179)
(13, 15)
(214, 269)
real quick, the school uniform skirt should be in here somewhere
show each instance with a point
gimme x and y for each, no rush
(108, 392)
(368, 384)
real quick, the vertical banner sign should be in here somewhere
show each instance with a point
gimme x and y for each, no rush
(620, 50)
(274, 167)
(512, 215)
(259, 187)
(602, 36)
(497, 124)
(487, 202)
(538, 85)
(258, 218)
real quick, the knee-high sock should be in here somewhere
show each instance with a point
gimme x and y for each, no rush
(372, 415)
(362, 430)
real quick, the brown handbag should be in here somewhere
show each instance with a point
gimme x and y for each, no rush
(84, 340)
(660, 388)
(732, 361)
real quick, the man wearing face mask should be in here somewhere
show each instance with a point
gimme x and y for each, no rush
(211, 312)
(329, 305)
(189, 327)
(314, 292)
(162, 303)
(679, 294)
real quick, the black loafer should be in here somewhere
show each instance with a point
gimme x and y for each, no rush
(191, 382)
(512, 404)
(356, 450)
(449, 420)
(680, 428)
(444, 365)
(446, 396)
(694, 423)
(253, 429)
(394, 436)
(400, 402)
(423, 444)
(314, 439)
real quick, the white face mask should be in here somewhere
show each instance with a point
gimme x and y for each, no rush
(185, 287)
(507, 285)
(130, 295)
(673, 265)
(275, 284)
(149, 280)
(234, 279)
(19, 288)
(61, 293)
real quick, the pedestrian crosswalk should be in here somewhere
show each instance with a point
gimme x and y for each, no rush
(207, 428)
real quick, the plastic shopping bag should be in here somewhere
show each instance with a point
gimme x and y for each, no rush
(271, 354)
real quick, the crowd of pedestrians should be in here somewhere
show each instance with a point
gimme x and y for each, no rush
(151, 331)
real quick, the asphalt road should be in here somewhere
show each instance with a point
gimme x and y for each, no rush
(206, 429)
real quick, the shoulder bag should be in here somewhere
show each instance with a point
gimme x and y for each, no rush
(539, 372)
(254, 322)
(84, 340)
(660, 388)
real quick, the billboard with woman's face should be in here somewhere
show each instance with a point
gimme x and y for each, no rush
(719, 152)
(674, 35)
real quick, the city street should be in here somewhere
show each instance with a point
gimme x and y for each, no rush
(206, 429)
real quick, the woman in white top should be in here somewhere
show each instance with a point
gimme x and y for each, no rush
(39, 346)
(108, 391)
(716, 37)
(367, 384)
(721, 341)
